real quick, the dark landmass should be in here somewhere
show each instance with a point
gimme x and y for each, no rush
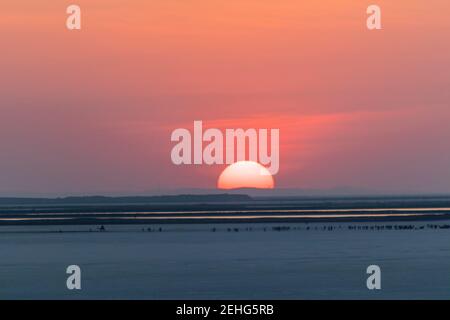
(89, 200)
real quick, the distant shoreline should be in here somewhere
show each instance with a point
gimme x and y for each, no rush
(219, 209)
(214, 220)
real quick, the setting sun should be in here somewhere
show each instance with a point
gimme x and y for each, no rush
(245, 174)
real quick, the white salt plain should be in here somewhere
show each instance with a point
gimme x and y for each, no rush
(192, 262)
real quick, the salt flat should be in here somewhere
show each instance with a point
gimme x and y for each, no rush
(192, 262)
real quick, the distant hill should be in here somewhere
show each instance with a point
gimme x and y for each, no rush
(283, 192)
(205, 198)
(306, 193)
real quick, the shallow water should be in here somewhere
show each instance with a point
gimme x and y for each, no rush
(192, 262)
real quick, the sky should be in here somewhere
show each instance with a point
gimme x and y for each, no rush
(91, 111)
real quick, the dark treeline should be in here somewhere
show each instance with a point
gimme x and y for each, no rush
(89, 200)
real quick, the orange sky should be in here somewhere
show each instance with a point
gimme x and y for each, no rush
(91, 111)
